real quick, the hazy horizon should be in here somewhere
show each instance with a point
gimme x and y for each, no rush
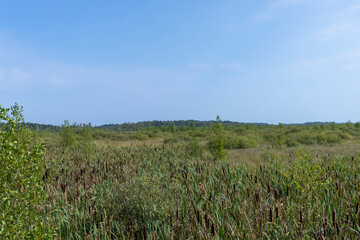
(277, 61)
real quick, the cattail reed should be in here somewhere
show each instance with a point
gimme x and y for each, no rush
(337, 228)
(145, 232)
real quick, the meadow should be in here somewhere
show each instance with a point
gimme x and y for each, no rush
(220, 181)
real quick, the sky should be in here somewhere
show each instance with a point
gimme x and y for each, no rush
(288, 61)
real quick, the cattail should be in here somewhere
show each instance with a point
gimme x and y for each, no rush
(277, 212)
(207, 222)
(257, 197)
(213, 229)
(248, 192)
(287, 190)
(337, 229)
(132, 229)
(198, 215)
(347, 217)
(357, 207)
(301, 218)
(233, 215)
(334, 218)
(145, 232)
(268, 188)
(270, 215)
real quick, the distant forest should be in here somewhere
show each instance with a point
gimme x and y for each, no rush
(156, 123)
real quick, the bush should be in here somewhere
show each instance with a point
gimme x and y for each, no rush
(67, 135)
(139, 136)
(195, 149)
(216, 143)
(291, 141)
(239, 142)
(86, 138)
(21, 172)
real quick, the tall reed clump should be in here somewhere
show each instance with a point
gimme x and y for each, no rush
(171, 192)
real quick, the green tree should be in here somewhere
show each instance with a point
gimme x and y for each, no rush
(172, 128)
(21, 185)
(67, 135)
(217, 141)
(87, 137)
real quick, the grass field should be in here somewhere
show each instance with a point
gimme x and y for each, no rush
(151, 189)
(237, 182)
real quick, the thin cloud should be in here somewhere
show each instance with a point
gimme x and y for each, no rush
(352, 10)
(338, 29)
(345, 60)
(200, 65)
(233, 66)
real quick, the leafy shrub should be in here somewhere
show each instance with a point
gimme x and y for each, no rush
(21, 172)
(86, 138)
(291, 141)
(239, 142)
(195, 149)
(216, 143)
(67, 135)
(139, 136)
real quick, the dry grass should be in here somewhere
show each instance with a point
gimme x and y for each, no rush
(129, 143)
(258, 156)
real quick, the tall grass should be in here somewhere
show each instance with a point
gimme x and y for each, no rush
(169, 192)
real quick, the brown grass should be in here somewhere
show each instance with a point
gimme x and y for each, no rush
(258, 156)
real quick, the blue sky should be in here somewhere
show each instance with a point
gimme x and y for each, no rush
(125, 61)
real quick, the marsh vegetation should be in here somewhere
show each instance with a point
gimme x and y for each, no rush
(220, 181)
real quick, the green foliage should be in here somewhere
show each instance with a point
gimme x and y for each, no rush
(67, 135)
(239, 142)
(171, 140)
(216, 143)
(87, 138)
(195, 148)
(21, 185)
(306, 176)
